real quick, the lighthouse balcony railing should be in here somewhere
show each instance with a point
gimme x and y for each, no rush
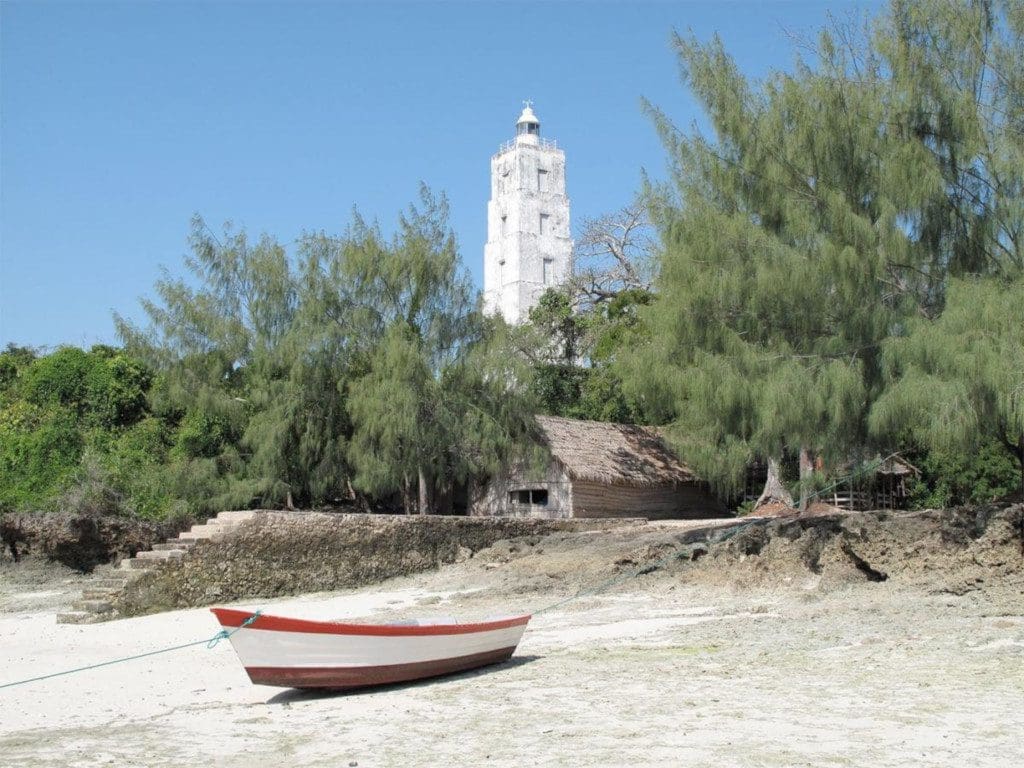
(542, 143)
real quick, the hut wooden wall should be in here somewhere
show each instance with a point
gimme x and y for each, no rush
(590, 499)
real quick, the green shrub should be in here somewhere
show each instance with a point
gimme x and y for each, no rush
(200, 435)
(137, 463)
(950, 478)
(40, 450)
(59, 378)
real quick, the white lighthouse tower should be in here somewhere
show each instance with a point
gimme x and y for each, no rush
(528, 247)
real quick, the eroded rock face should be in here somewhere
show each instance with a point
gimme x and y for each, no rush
(953, 550)
(79, 541)
(281, 553)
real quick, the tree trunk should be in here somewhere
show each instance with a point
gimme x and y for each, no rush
(423, 500)
(1020, 458)
(443, 498)
(406, 496)
(774, 491)
(806, 470)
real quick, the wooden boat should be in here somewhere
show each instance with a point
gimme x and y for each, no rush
(296, 653)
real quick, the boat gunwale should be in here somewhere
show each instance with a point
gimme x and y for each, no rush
(231, 618)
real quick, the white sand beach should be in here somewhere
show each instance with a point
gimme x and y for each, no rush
(655, 672)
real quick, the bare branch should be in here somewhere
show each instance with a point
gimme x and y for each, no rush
(613, 254)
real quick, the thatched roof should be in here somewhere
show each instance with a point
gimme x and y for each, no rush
(617, 454)
(897, 465)
(891, 465)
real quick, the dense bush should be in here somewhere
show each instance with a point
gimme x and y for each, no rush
(950, 477)
(76, 434)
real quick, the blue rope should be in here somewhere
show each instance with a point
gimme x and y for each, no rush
(210, 643)
(600, 587)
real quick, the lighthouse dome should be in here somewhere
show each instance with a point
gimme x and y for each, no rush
(528, 126)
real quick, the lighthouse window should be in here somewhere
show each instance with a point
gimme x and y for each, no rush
(504, 221)
(542, 180)
(547, 271)
(545, 223)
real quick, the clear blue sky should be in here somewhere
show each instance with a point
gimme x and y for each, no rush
(119, 121)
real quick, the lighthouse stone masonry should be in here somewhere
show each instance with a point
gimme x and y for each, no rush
(528, 246)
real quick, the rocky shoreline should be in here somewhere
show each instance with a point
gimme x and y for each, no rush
(779, 645)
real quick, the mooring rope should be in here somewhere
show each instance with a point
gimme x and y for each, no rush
(209, 642)
(676, 554)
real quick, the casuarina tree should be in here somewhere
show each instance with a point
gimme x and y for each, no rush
(808, 229)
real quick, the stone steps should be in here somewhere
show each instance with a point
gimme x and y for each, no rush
(81, 617)
(93, 606)
(160, 554)
(97, 600)
(174, 544)
(100, 594)
(135, 564)
(201, 532)
(112, 583)
(235, 516)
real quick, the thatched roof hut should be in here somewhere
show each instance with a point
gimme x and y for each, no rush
(612, 454)
(600, 469)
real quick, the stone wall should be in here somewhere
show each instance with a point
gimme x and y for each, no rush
(281, 553)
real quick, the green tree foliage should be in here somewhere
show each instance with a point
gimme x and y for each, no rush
(957, 78)
(39, 453)
(951, 477)
(104, 386)
(436, 402)
(117, 390)
(138, 467)
(958, 381)
(301, 379)
(772, 296)
(571, 347)
(13, 361)
(228, 346)
(553, 342)
(60, 379)
(392, 406)
(814, 225)
(55, 408)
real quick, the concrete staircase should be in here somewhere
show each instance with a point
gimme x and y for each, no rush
(96, 602)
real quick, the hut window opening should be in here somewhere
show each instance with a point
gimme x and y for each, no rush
(535, 496)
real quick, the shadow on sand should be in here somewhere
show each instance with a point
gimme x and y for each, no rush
(298, 695)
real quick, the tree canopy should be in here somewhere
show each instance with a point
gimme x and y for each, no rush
(828, 211)
(359, 364)
(835, 270)
(958, 381)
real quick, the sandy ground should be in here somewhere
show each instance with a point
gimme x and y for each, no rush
(654, 672)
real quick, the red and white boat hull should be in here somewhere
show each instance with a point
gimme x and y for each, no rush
(296, 653)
